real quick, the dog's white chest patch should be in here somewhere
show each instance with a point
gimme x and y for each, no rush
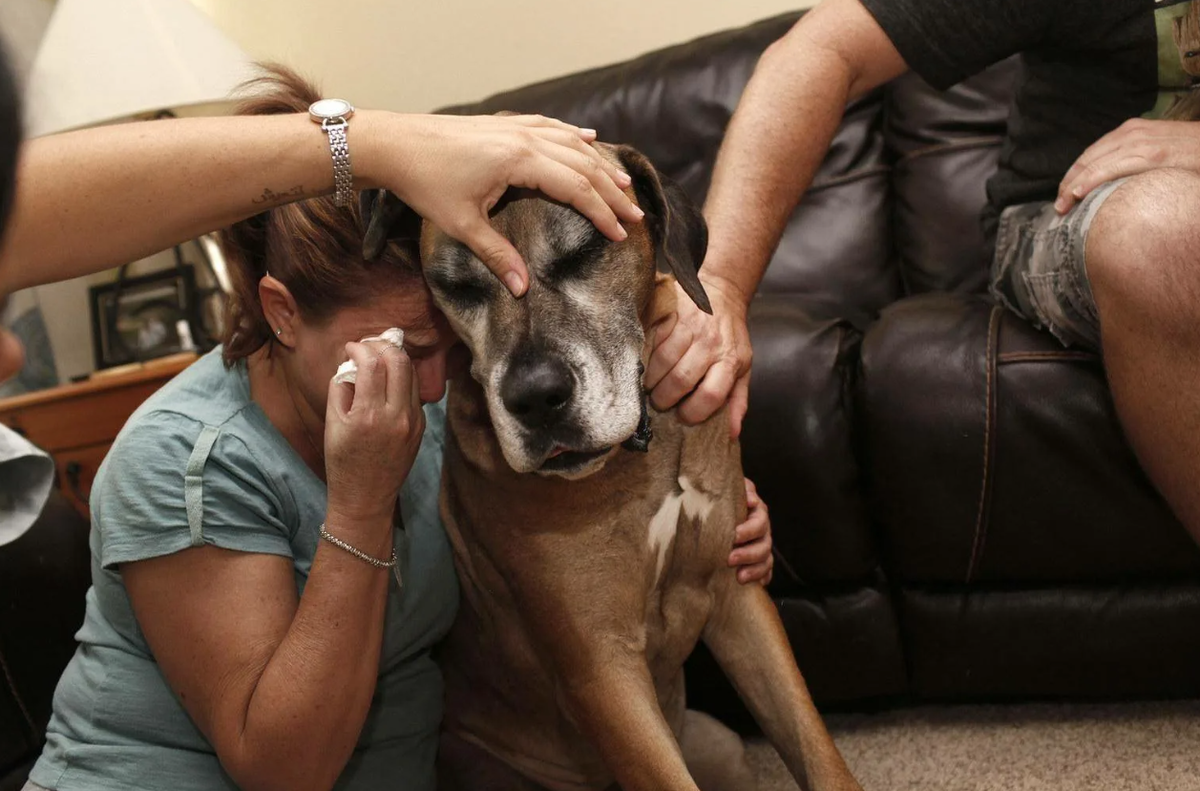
(689, 501)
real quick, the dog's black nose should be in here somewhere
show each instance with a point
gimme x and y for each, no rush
(536, 388)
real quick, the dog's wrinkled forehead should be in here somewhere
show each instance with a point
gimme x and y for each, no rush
(542, 230)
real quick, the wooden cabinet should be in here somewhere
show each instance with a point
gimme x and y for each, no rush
(77, 423)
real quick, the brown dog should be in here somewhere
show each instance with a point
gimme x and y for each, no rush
(592, 556)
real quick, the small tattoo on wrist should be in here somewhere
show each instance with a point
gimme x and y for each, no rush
(277, 198)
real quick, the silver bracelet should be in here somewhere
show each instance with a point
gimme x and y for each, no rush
(358, 553)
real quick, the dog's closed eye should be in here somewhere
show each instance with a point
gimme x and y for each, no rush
(462, 293)
(576, 264)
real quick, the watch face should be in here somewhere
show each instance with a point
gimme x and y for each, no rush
(330, 108)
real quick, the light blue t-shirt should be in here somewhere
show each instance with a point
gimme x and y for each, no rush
(116, 723)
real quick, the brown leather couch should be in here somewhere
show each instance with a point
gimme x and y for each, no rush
(956, 511)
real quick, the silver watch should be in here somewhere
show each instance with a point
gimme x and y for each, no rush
(334, 116)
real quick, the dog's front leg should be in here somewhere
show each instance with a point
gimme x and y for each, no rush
(747, 639)
(585, 612)
(615, 706)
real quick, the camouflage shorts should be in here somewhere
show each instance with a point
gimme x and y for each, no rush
(1039, 270)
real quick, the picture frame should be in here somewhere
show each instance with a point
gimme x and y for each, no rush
(135, 319)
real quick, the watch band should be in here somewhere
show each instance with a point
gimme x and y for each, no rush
(343, 176)
(334, 117)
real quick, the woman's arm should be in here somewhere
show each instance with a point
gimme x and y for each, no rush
(281, 684)
(96, 198)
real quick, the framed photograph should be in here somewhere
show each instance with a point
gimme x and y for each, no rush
(139, 318)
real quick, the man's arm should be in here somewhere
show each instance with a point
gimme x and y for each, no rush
(782, 129)
(776, 141)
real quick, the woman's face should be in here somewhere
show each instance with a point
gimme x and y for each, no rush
(319, 349)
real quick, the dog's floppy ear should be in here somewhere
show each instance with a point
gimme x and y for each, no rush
(385, 218)
(676, 227)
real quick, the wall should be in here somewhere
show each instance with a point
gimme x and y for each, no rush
(416, 56)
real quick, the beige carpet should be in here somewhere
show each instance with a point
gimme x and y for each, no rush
(1042, 747)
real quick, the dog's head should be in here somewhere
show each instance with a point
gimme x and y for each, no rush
(561, 367)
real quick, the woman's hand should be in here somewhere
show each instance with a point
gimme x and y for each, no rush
(752, 543)
(456, 168)
(373, 431)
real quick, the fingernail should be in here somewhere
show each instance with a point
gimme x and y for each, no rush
(638, 211)
(1077, 192)
(624, 179)
(1060, 205)
(587, 132)
(514, 283)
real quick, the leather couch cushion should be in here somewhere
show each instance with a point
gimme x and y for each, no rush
(1112, 641)
(995, 456)
(797, 445)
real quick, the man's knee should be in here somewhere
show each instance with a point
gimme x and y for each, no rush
(1143, 246)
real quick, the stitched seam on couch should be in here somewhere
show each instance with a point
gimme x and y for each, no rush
(989, 445)
(966, 144)
(1050, 357)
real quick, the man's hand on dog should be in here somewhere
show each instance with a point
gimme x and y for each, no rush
(464, 165)
(703, 360)
(752, 541)
(1134, 147)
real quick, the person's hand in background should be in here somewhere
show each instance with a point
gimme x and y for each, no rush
(753, 548)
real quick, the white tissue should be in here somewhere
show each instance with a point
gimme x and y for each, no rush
(347, 372)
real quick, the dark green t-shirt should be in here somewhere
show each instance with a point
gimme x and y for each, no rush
(1087, 67)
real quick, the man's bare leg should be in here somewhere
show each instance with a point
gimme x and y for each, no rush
(1143, 262)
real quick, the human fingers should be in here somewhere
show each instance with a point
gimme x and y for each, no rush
(496, 252)
(669, 339)
(400, 376)
(757, 572)
(752, 498)
(710, 395)
(370, 380)
(546, 122)
(750, 534)
(739, 404)
(566, 184)
(1114, 166)
(683, 378)
(604, 178)
(340, 400)
(567, 141)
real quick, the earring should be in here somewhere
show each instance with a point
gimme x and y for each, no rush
(279, 331)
